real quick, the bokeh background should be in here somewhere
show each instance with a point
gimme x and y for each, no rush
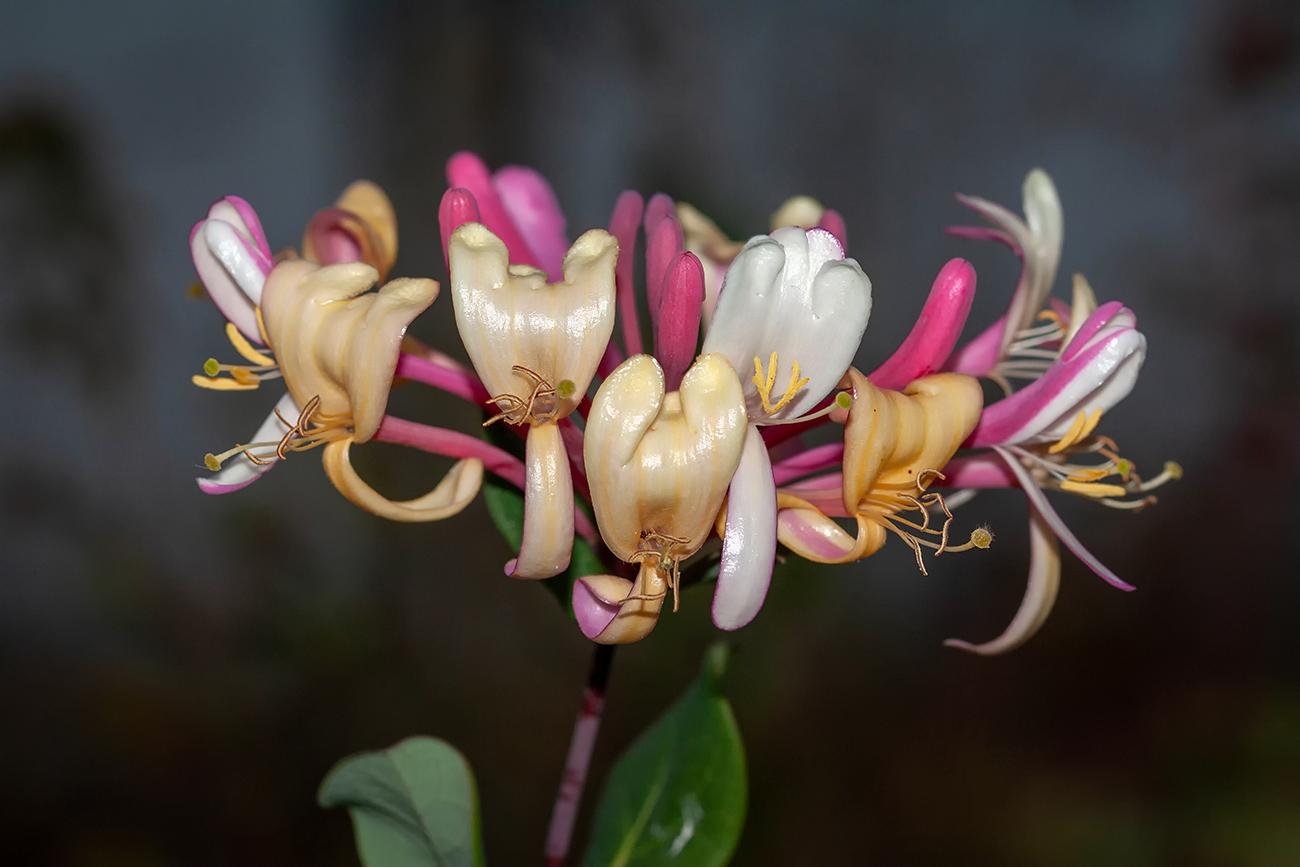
(178, 672)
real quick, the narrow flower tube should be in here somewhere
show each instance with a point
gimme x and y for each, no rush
(935, 333)
(536, 346)
(659, 465)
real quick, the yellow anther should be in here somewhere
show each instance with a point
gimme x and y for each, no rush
(221, 384)
(1173, 470)
(1083, 425)
(244, 376)
(1093, 489)
(981, 537)
(244, 348)
(1088, 475)
(765, 383)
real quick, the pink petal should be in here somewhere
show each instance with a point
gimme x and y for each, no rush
(466, 170)
(252, 224)
(749, 543)
(333, 244)
(1110, 313)
(1040, 592)
(623, 225)
(936, 330)
(813, 460)
(677, 328)
(1100, 374)
(979, 356)
(977, 471)
(456, 208)
(1040, 501)
(233, 271)
(663, 243)
(592, 613)
(531, 203)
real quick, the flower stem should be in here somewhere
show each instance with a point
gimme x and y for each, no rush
(569, 796)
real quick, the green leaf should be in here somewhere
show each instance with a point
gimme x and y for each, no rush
(412, 805)
(678, 794)
(506, 506)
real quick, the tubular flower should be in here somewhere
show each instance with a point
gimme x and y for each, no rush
(896, 445)
(1081, 362)
(659, 465)
(536, 346)
(335, 345)
(786, 297)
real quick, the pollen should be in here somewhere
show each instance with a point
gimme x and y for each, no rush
(767, 381)
(981, 537)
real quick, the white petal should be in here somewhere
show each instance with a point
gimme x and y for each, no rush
(793, 293)
(1040, 593)
(239, 472)
(749, 544)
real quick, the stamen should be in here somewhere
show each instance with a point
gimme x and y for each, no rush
(298, 437)
(842, 401)
(766, 383)
(516, 410)
(1095, 490)
(244, 348)
(221, 384)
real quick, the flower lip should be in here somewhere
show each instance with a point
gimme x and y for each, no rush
(232, 259)
(522, 332)
(792, 293)
(1096, 371)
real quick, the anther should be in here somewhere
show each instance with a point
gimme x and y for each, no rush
(765, 383)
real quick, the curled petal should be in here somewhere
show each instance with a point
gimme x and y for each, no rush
(240, 214)
(1040, 593)
(795, 294)
(806, 531)
(1097, 370)
(660, 463)
(531, 204)
(892, 437)
(548, 507)
(1053, 520)
(605, 608)
(233, 270)
(239, 472)
(335, 341)
(510, 318)
(453, 493)
(749, 540)
(1037, 238)
(936, 330)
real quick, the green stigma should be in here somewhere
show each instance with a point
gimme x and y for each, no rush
(843, 401)
(211, 368)
(1123, 467)
(565, 389)
(211, 462)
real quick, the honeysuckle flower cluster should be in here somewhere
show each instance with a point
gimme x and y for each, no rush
(678, 451)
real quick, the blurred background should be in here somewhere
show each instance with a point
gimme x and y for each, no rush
(179, 671)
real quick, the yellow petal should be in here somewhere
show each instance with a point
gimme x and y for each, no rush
(802, 211)
(452, 494)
